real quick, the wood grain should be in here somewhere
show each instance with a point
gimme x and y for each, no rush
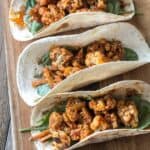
(20, 113)
(4, 103)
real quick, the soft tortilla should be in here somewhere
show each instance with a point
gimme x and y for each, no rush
(119, 88)
(70, 22)
(125, 32)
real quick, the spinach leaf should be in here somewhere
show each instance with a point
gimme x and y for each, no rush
(89, 98)
(60, 107)
(110, 7)
(35, 27)
(27, 21)
(113, 6)
(130, 54)
(70, 48)
(30, 3)
(40, 128)
(44, 121)
(144, 111)
(45, 60)
(43, 89)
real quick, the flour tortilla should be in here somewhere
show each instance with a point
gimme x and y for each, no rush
(125, 32)
(119, 89)
(69, 22)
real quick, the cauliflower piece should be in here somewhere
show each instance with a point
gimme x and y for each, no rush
(55, 121)
(112, 119)
(75, 134)
(60, 56)
(104, 51)
(86, 116)
(101, 5)
(85, 131)
(94, 58)
(72, 125)
(102, 104)
(52, 14)
(73, 107)
(62, 140)
(70, 5)
(99, 123)
(70, 70)
(128, 113)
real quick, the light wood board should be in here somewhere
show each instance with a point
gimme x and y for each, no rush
(20, 112)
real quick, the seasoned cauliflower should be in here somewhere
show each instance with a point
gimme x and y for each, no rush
(55, 121)
(128, 113)
(60, 56)
(99, 123)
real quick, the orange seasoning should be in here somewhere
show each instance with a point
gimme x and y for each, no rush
(17, 17)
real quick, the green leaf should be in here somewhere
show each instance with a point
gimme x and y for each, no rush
(117, 8)
(60, 107)
(43, 89)
(44, 121)
(70, 48)
(130, 54)
(35, 27)
(30, 3)
(89, 98)
(45, 60)
(27, 21)
(144, 111)
(110, 7)
(113, 6)
(23, 130)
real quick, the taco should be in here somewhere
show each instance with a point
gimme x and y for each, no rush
(63, 63)
(31, 19)
(72, 120)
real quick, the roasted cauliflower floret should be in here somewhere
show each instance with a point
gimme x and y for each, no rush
(102, 104)
(60, 56)
(128, 113)
(86, 116)
(85, 131)
(94, 58)
(70, 5)
(99, 123)
(55, 121)
(99, 4)
(104, 51)
(51, 14)
(75, 134)
(63, 140)
(112, 119)
(70, 70)
(73, 107)
(72, 125)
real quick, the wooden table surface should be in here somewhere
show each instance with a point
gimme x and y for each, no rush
(20, 113)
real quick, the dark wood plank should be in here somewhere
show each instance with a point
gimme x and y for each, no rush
(4, 104)
(20, 113)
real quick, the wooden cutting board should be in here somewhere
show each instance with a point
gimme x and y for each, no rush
(20, 112)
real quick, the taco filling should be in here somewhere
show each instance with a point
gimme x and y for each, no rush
(74, 119)
(62, 61)
(37, 14)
